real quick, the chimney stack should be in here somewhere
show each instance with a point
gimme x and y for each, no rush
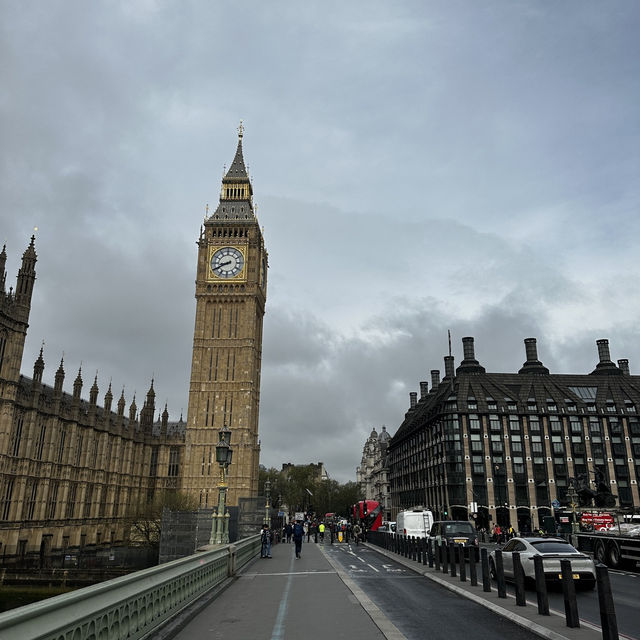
(605, 365)
(413, 400)
(532, 365)
(424, 389)
(603, 351)
(448, 367)
(623, 365)
(469, 364)
(531, 349)
(468, 349)
(435, 379)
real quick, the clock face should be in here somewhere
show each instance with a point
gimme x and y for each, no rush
(227, 262)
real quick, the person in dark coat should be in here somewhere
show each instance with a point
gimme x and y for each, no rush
(298, 533)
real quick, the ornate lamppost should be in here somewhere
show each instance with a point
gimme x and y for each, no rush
(573, 497)
(224, 453)
(267, 506)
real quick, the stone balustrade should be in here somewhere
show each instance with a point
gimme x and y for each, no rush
(129, 607)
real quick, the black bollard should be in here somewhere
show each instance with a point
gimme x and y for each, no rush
(414, 548)
(430, 553)
(315, 537)
(436, 555)
(486, 575)
(502, 587)
(569, 593)
(518, 576)
(608, 618)
(473, 571)
(445, 556)
(463, 564)
(425, 551)
(452, 559)
(541, 586)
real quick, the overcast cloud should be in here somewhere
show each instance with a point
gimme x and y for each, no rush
(418, 166)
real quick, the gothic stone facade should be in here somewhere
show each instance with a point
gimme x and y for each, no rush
(511, 442)
(231, 287)
(373, 473)
(69, 469)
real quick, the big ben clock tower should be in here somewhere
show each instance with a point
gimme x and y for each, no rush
(227, 344)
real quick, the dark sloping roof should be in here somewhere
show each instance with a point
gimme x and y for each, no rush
(237, 170)
(559, 390)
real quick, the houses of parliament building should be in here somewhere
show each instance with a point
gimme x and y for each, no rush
(70, 468)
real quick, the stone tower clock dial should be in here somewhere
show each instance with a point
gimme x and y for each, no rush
(224, 389)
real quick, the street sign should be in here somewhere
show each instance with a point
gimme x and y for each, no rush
(556, 504)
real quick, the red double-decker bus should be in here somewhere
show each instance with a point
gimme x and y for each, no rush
(368, 513)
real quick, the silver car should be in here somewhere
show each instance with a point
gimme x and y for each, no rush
(552, 551)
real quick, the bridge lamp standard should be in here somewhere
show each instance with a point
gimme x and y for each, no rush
(224, 454)
(267, 506)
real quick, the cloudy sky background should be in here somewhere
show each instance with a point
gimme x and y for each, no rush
(418, 167)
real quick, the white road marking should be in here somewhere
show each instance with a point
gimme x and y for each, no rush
(389, 569)
(376, 570)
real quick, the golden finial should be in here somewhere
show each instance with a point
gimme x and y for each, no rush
(207, 209)
(240, 130)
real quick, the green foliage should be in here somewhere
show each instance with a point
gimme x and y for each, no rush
(289, 488)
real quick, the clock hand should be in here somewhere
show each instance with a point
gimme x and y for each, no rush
(224, 264)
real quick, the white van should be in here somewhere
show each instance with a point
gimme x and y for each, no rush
(414, 522)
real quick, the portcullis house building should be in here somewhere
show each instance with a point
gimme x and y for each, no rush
(506, 445)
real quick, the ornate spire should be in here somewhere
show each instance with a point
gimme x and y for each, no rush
(59, 379)
(133, 409)
(238, 169)
(121, 404)
(236, 195)
(77, 385)
(108, 399)
(38, 366)
(27, 274)
(3, 266)
(93, 392)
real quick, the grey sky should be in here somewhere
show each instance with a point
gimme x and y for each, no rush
(418, 166)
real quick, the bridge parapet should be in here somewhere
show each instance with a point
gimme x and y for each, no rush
(129, 607)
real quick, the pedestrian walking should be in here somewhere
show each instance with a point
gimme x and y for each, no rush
(321, 531)
(298, 534)
(288, 531)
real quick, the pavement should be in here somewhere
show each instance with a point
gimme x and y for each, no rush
(285, 598)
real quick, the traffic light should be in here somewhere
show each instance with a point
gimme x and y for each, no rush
(445, 513)
(364, 507)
